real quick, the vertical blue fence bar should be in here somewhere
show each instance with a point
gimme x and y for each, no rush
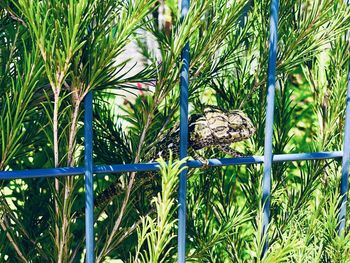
(89, 191)
(269, 119)
(184, 83)
(344, 183)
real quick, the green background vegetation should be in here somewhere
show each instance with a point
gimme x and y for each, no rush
(53, 52)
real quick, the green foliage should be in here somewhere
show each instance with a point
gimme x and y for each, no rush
(157, 233)
(53, 52)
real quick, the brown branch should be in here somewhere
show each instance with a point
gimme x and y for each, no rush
(4, 205)
(10, 238)
(73, 128)
(56, 157)
(128, 191)
(13, 16)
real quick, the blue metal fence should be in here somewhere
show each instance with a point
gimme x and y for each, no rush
(89, 188)
(184, 83)
(344, 184)
(270, 108)
(267, 160)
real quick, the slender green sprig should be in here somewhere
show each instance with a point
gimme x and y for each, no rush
(155, 235)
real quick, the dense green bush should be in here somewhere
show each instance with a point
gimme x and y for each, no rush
(53, 52)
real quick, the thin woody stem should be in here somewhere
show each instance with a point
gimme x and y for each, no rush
(56, 158)
(56, 88)
(69, 181)
(72, 133)
(55, 128)
(11, 240)
(128, 191)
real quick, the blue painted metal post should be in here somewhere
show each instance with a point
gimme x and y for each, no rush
(344, 184)
(89, 190)
(184, 82)
(269, 119)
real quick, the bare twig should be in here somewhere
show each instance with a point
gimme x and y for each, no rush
(128, 191)
(16, 18)
(72, 133)
(4, 227)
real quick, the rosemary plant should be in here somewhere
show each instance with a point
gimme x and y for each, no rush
(52, 53)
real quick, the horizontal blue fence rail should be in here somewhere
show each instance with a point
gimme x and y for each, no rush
(267, 159)
(141, 167)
